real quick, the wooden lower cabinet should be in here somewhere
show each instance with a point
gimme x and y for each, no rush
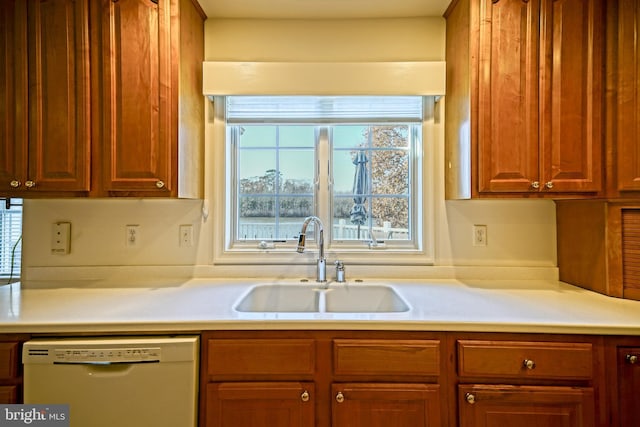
(9, 394)
(525, 406)
(385, 405)
(247, 404)
(622, 359)
(321, 379)
(628, 364)
(417, 379)
(11, 368)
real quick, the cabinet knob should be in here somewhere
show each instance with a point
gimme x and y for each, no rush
(15, 183)
(30, 184)
(535, 184)
(470, 398)
(632, 358)
(549, 185)
(304, 396)
(339, 397)
(160, 184)
(528, 363)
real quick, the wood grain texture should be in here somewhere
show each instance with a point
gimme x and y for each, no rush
(504, 359)
(499, 406)
(59, 95)
(389, 405)
(13, 94)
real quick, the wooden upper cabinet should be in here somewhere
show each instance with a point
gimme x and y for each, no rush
(508, 95)
(627, 124)
(151, 61)
(525, 104)
(572, 79)
(45, 97)
(13, 93)
(59, 102)
(137, 95)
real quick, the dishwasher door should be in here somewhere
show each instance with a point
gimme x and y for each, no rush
(124, 382)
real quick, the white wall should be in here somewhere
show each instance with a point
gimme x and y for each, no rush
(520, 232)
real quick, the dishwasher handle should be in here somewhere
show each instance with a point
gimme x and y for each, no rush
(105, 362)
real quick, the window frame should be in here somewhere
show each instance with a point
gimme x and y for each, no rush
(220, 184)
(10, 269)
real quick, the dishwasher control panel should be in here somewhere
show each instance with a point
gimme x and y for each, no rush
(111, 355)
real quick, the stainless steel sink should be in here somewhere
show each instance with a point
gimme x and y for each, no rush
(310, 298)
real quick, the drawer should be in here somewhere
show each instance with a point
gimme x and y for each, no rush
(8, 394)
(518, 359)
(9, 360)
(260, 357)
(386, 357)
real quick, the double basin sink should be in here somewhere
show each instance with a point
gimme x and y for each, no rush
(313, 298)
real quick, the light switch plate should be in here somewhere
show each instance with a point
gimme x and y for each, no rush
(60, 238)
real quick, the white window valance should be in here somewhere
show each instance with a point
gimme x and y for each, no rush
(323, 78)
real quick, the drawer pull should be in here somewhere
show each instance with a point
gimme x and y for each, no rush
(632, 358)
(15, 183)
(304, 396)
(339, 397)
(470, 398)
(30, 184)
(535, 185)
(528, 363)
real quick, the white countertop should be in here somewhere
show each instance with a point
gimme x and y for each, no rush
(207, 304)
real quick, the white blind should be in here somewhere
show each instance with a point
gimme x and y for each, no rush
(318, 108)
(10, 242)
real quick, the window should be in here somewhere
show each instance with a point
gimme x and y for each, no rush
(355, 162)
(10, 239)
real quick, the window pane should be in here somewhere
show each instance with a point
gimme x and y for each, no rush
(390, 218)
(349, 136)
(377, 165)
(257, 136)
(390, 172)
(297, 136)
(257, 172)
(343, 171)
(10, 241)
(267, 170)
(297, 171)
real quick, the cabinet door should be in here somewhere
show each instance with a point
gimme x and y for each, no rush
(385, 405)
(501, 406)
(508, 96)
(628, 122)
(59, 103)
(276, 404)
(8, 394)
(572, 63)
(137, 96)
(629, 386)
(13, 94)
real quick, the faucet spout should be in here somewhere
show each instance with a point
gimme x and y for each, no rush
(321, 262)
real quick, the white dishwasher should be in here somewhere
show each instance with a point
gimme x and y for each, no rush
(124, 382)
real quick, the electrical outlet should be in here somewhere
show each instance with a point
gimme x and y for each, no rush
(186, 235)
(479, 235)
(61, 238)
(132, 236)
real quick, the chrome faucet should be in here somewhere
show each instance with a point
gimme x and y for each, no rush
(321, 271)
